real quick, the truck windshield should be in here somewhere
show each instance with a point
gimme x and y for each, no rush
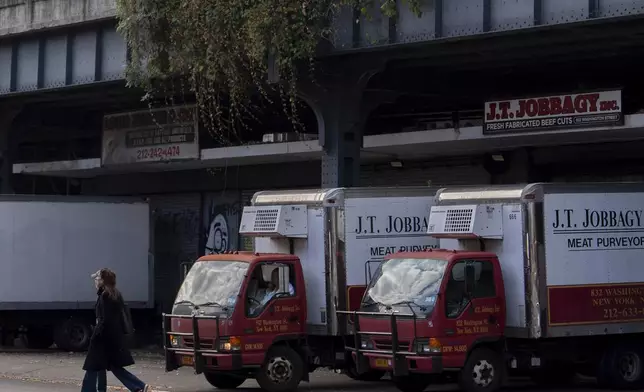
(211, 286)
(405, 285)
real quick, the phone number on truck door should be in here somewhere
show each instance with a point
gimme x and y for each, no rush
(158, 152)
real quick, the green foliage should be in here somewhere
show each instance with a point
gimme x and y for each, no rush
(220, 48)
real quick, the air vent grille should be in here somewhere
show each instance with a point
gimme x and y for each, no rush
(459, 220)
(266, 220)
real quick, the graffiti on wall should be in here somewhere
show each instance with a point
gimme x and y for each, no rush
(222, 212)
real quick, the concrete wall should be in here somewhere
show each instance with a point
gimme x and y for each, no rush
(19, 16)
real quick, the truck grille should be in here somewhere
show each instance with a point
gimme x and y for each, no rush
(386, 344)
(206, 344)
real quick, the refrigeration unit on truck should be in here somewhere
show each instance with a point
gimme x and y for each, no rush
(273, 315)
(543, 280)
(49, 248)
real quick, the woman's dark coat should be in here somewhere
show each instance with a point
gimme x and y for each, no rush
(108, 346)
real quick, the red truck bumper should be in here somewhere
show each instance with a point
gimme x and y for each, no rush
(223, 361)
(412, 364)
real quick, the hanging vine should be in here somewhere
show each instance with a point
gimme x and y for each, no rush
(220, 50)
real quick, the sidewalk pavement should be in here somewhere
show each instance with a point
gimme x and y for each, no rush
(53, 367)
(66, 368)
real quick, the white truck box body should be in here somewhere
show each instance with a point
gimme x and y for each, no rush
(348, 232)
(571, 254)
(49, 247)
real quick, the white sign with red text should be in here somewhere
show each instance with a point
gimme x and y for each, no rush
(159, 135)
(582, 110)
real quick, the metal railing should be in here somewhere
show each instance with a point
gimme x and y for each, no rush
(397, 354)
(196, 351)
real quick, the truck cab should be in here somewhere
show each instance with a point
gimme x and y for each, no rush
(233, 310)
(424, 312)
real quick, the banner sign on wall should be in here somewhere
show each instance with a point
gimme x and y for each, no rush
(582, 110)
(157, 135)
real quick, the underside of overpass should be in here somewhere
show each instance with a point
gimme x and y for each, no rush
(424, 97)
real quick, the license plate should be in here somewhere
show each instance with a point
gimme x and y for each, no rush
(383, 363)
(187, 361)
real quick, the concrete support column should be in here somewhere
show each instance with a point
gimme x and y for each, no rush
(7, 116)
(341, 109)
(342, 137)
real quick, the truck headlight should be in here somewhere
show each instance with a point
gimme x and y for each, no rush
(232, 343)
(366, 344)
(428, 346)
(175, 341)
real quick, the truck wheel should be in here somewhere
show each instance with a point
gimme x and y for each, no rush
(73, 335)
(224, 381)
(411, 383)
(483, 371)
(39, 338)
(621, 367)
(282, 370)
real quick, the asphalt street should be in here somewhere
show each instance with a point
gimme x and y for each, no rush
(21, 386)
(61, 372)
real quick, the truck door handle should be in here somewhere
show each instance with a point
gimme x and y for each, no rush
(293, 319)
(491, 320)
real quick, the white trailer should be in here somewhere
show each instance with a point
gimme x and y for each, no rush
(49, 247)
(571, 261)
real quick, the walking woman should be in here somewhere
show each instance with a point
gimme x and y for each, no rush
(108, 350)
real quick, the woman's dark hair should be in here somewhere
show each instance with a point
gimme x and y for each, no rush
(109, 283)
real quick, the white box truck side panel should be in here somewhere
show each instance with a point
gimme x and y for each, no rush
(50, 249)
(594, 247)
(511, 257)
(594, 238)
(379, 226)
(31, 251)
(311, 253)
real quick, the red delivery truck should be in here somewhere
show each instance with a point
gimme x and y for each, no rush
(542, 280)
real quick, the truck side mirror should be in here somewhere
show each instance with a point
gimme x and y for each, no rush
(470, 278)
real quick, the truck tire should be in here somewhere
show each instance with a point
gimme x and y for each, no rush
(73, 335)
(483, 371)
(39, 338)
(411, 383)
(224, 381)
(622, 367)
(282, 370)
